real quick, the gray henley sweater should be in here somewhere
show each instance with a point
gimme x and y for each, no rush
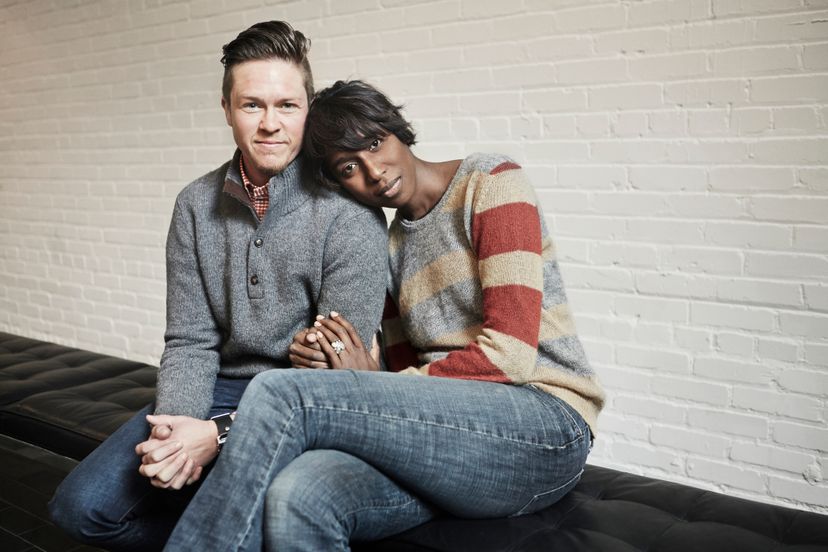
(239, 289)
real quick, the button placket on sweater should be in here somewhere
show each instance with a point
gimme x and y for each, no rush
(285, 196)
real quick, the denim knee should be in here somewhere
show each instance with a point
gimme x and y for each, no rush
(94, 499)
(73, 508)
(299, 501)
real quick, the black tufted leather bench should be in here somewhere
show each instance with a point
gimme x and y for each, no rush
(66, 401)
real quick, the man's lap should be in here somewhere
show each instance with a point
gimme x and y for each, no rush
(104, 499)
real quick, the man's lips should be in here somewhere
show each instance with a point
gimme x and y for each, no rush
(390, 189)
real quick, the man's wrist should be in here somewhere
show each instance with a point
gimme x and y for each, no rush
(223, 424)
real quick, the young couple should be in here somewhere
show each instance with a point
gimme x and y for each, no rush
(483, 403)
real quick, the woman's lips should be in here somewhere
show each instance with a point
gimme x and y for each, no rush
(391, 189)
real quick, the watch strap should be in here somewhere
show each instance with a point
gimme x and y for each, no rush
(223, 424)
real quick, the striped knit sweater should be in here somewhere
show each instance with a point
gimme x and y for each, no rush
(476, 293)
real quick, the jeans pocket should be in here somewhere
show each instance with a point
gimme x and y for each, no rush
(570, 423)
(548, 498)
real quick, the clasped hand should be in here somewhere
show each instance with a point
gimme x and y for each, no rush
(312, 347)
(179, 447)
(177, 450)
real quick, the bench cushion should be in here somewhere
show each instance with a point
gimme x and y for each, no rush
(64, 399)
(67, 401)
(620, 512)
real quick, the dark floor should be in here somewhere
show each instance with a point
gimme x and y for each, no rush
(28, 477)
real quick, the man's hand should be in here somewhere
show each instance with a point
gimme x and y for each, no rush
(305, 351)
(177, 450)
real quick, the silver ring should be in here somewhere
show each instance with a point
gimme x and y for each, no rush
(338, 347)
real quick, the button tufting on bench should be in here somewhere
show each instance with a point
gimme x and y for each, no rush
(67, 401)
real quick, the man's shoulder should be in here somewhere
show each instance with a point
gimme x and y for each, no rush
(211, 181)
(338, 203)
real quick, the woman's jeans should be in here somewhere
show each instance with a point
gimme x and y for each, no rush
(105, 502)
(317, 458)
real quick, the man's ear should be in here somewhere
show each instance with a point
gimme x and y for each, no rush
(225, 105)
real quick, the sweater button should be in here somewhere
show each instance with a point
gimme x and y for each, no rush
(258, 242)
(254, 280)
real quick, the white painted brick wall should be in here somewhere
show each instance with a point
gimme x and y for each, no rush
(678, 147)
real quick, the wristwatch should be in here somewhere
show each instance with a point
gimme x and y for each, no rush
(223, 423)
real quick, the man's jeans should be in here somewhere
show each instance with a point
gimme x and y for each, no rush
(317, 458)
(106, 502)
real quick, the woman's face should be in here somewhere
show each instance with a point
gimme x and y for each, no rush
(382, 175)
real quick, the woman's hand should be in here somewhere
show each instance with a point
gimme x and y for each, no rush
(342, 345)
(305, 351)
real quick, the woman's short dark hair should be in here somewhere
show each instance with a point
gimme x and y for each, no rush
(267, 40)
(348, 116)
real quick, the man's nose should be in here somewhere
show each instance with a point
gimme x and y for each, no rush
(270, 121)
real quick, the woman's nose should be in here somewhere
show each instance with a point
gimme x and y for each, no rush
(374, 169)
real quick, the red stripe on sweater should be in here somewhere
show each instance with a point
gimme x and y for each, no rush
(510, 227)
(401, 356)
(506, 166)
(470, 363)
(513, 310)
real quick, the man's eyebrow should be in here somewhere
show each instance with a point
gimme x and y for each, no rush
(252, 96)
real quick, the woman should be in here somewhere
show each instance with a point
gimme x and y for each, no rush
(476, 300)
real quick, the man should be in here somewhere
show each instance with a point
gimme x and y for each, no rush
(254, 253)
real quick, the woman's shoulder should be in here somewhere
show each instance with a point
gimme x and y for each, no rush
(488, 163)
(495, 179)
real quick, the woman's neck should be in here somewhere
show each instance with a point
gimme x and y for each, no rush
(432, 181)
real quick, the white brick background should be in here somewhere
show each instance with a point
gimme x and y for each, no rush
(679, 148)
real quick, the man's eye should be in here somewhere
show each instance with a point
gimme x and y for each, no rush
(250, 106)
(375, 144)
(290, 107)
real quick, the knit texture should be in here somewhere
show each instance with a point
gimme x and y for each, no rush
(476, 292)
(238, 290)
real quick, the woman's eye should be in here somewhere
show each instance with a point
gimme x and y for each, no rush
(348, 169)
(375, 144)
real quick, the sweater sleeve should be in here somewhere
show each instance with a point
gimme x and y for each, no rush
(355, 271)
(506, 238)
(191, 357)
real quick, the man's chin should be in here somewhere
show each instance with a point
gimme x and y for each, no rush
(272, 168)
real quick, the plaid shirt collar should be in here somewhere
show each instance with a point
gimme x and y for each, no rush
(258, 194)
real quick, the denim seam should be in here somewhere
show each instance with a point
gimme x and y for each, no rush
(575, 425)
(135, 505)
(377, 507)
(563, 407)
(263, 488)
(558, 488)
(380, 507)
(447, 426)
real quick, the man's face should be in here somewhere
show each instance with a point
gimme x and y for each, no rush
(266, 110)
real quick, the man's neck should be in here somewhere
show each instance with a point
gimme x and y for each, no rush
(253, 178)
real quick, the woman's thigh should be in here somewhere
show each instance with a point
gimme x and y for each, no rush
(475, 449)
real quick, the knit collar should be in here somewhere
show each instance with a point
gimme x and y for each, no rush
(287, 190)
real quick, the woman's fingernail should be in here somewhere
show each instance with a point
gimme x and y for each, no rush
(334, 314)
(317, 324)
(319, 317)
